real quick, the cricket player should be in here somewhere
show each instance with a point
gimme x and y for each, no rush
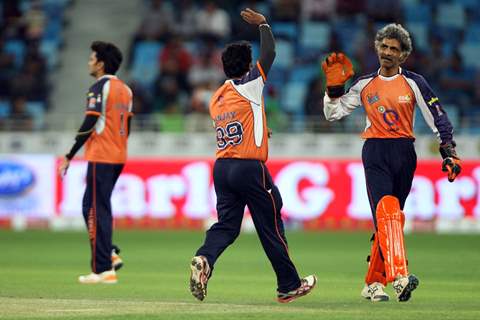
(104, 132)
(389, 97)
(240, 175)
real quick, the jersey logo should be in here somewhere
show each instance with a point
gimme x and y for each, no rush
(432, 101)
(404, 99)
(372, 98)
(91, 103)
(391, 118)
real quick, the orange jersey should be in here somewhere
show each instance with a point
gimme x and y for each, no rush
(238, 113)
(389, 104)
(111, 100)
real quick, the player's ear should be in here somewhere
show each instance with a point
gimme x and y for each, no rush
(101, 65)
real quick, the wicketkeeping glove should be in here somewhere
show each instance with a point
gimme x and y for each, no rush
(451, 162)
(338, 69)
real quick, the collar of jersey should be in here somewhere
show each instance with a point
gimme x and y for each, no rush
(392, 77)
(109, 76)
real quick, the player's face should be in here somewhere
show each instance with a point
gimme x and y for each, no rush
(93, 64)
(389, 53)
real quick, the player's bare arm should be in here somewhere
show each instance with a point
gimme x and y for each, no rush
(267, 42)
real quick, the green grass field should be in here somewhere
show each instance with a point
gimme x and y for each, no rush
(39, 270)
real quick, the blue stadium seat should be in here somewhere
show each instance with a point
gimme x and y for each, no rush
(288, 30)
(305, 73)
(146, 65)
(470, 54)
(315, 35)
(53, 30)
(419, 32)
(4, 109)
(293, 97)
(453, 114)
(49, 50)
(37, 111)
(472, 33)
(17, 49)
(277, 76)
(417, 13)
(285, 54)
(451, 15)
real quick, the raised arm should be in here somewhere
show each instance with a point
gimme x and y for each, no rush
(267, 42)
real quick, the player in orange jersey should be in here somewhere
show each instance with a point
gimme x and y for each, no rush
(389, 97)
(239, 174)
(104, 132)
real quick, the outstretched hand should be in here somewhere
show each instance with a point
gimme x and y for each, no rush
(253, 17)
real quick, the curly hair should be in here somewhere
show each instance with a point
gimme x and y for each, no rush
(395, 31)
(236, 59)
(109, 54)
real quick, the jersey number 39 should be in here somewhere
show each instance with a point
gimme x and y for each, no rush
(232, 134)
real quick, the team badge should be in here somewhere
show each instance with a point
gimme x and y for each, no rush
(381, 109)
(91, 103)
(372, 98)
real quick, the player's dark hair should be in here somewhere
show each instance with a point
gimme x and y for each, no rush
(109, 54)
(236, 59)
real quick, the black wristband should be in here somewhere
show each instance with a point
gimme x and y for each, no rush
(336, 91)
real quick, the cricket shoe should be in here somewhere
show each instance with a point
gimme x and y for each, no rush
(404, 286)
(107, 277)
(375, 292)
(306, 285)
(199, 277)
(117, 262)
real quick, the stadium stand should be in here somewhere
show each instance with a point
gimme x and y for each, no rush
(168, 54)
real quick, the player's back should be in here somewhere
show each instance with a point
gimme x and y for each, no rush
(108, 142)
(238, 115)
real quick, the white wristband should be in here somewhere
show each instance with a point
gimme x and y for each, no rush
(264, 24)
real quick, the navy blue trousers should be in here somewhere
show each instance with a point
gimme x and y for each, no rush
(97, 212)
(389, 168)
(239, 183)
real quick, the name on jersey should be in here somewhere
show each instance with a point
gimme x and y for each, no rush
(225, 116)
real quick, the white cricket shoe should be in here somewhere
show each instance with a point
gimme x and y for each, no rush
(375, 292)
(117, 262)
(199, 277)
(306, 286)
(107, 277)
(404, 286)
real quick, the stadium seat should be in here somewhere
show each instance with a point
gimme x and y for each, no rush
(285, 54)
(315, 35)
(293, 97)
(304, 73)
(472, 33)
(37, 111)
(287, 30)
(451, 15)
(419, 32)
(17, 49)
(146, 64)
(4, 109)
(414, 12)
(470, 54)
(49, 50)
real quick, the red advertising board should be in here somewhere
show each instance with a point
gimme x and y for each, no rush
(178, 193)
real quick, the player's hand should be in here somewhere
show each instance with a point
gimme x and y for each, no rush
(338, 69)
(451, 162)
(253, 17)
(62, 170)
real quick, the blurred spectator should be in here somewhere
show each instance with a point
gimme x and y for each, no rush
(205, 72)
(157, 22)
(276, 119)
(313, 106)
(199, 118)
(23, 121)
(34, 21)
(174, 50)
(7, 69)
(286, 10)
(318, 9)
(185, 24)
(168, 88)
(213, 21)
(457, 82)
(351, 7)
(383, 11)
